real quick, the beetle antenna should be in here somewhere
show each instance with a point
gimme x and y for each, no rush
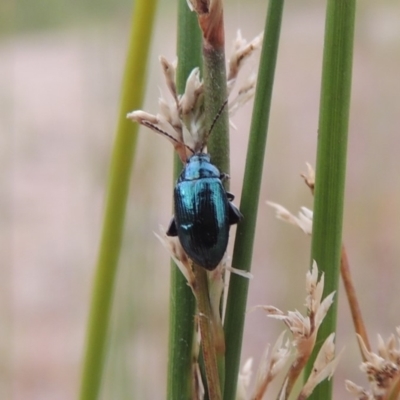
(156, 128)
(215, 120)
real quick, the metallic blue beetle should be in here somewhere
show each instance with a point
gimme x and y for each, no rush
(203, 212)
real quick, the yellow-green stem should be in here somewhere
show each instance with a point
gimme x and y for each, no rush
(117, 192)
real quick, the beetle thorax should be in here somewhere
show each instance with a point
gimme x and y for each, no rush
(199, 166)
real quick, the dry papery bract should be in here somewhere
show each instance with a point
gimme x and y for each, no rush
(382, 370)
(304, 218)
(181, 120)
(309, 177)
(198, 386)
(304, 331)
(175, 249)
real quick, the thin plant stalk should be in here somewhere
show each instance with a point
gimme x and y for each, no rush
(211, 22)
(117, 193)
(206, 321)
(355, 309)
(242, 256)
(182, 303)
(394, 395)
(331, 159)
(215, 95)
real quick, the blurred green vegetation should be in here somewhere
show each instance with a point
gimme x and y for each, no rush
(59, 100)
(26, 15)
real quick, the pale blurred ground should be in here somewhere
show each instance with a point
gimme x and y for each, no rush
(59, 91)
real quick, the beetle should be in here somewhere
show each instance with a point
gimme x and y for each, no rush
(203, 210)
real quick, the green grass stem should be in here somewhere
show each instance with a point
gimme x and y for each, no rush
(331, 159)
(117, 193)
(182, 302)
(215, 94)
(242, 256)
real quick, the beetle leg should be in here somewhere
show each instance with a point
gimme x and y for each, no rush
(234, 214)
(230, 196)
(224, 177)
(172, 231)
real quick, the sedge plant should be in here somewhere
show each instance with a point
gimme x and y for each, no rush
(201, 80)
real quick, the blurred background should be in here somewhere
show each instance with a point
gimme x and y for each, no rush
(61, 64)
